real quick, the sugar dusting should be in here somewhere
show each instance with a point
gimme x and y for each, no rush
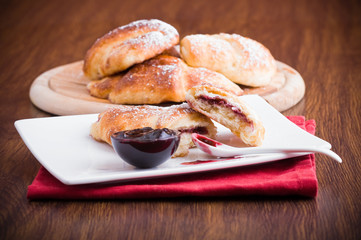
(159, 33)
(139, 113)
(154, 24)
(165, 72)
(253, 53)
(153, 74)
(165, 69)
(199, 41)
(257, 54)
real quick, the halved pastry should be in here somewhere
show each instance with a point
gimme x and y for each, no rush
(177, 117)
(229, 110)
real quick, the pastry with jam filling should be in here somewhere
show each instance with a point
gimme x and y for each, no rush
(229, 110)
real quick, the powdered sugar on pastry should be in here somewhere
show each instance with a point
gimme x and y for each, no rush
(257, 56)
(168, 31)
(240, 59)
(127, 45)
(160, 79)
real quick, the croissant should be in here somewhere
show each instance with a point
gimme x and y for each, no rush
(177, 117)
(160, 79)
(127, 45)
(229, 110)
(240, 59)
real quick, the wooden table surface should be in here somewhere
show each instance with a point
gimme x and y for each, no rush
(321, 39)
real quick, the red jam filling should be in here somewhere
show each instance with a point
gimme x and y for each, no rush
(199, 130)
(222, 102)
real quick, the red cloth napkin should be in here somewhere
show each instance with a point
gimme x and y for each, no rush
(296, 176)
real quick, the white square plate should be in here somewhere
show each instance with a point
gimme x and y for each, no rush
(65, 148)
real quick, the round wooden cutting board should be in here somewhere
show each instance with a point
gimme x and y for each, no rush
(62, 90)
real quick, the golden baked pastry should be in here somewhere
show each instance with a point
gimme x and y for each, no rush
(128, 45)
(229, 110)
(240, 59)
(177, 117)
(160, 79)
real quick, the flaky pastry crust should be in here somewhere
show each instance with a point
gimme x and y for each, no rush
(242, 60)
(128, 45)
(157, 80)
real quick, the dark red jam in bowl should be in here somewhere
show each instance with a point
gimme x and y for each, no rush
(146, 147)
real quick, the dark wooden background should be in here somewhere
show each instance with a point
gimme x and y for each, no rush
(321, 39)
